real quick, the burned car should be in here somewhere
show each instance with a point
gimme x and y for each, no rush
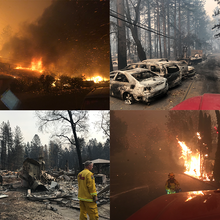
(182, 64)
(187, 71)
(138, 84)
(135, 65)
(191, 71)
(169, 70)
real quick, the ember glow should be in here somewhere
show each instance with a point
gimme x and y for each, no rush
(36, 65)
(198, 135)
(96, 79)
(193, 194)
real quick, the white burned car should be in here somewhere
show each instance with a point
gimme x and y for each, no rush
(169, 70)
(137, 84)
(191, 71)
(187, 71)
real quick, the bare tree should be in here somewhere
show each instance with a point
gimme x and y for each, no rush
(18, 148)
(105, 123)
(65, 124)
(134, 29)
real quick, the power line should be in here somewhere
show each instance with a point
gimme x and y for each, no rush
(138, 25)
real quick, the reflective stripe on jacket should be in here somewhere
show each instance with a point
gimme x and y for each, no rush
(171, 184)
(86, 185)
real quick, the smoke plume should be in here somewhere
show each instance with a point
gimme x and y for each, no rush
(71, 37)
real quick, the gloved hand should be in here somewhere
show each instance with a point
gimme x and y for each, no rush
(95, 198)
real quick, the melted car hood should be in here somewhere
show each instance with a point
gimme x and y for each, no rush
(195, 205)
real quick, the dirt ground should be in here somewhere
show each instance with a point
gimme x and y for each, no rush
(16, 206)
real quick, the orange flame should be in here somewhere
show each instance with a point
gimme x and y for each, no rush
(193, 194)
(36, 65)
(96, 79)
(191, 161)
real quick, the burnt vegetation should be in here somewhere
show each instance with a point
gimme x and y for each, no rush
(47, 83)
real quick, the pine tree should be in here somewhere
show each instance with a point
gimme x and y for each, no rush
(35, 147)
(18, 148)
(7, 146)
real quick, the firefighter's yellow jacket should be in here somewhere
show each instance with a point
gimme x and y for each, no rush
(86, 185)
(171, 184)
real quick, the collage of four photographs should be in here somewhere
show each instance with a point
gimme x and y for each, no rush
(140, 142)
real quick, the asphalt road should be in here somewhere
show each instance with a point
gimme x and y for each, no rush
(130, 193)
(207, 80)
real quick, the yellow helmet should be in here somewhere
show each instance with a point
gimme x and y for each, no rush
(171, 175)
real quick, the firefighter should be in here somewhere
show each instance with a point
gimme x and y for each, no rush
(172, 185)
(87, 194)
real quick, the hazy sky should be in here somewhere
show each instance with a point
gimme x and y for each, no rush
(210, 5)
(14, 12)
(59, 32)
(26, 120)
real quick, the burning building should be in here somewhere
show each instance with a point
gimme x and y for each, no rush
(197, 162)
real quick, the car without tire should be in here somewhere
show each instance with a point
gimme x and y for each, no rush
(137, 84)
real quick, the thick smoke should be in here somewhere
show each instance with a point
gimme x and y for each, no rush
(72, 37)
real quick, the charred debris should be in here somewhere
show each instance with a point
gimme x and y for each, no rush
(52, 187)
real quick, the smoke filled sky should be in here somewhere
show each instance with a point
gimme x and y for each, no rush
(148, 133)
(14, 13)
(71, 37)
(141, 122)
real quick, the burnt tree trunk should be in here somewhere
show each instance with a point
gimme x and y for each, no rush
(168, 27)
(128, 44)
(134, 30)
(164, 29)
(175, 43)
(180, 41)
(78, 150)
(149, 26)
(188, 32)
(158, 28)
(122, 53)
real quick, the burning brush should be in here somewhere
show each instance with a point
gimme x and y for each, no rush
(36, 65)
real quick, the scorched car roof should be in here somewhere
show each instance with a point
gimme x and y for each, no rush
(135, 70)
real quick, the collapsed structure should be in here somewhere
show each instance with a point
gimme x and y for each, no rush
(54, 188)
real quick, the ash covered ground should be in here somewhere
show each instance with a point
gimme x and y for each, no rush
(18, 205)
